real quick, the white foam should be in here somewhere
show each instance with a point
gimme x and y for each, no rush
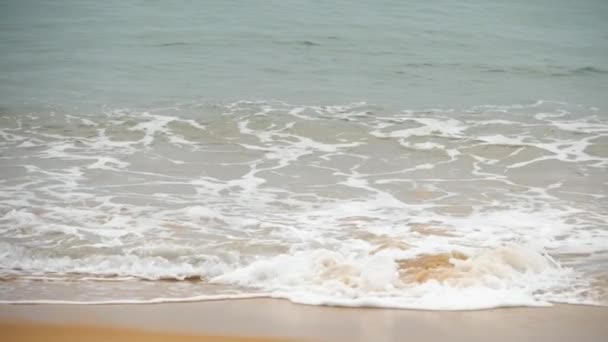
(155, 124)
(311, 203)
(153, 263)
(108, 163)
(428, 127)
(504, 276)
(138, 301)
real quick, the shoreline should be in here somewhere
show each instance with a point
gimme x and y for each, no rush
(283, 320)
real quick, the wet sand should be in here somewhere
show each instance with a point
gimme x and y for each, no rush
(280, 319)
(29, 332)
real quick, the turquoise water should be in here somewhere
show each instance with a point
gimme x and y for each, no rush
(412, 54)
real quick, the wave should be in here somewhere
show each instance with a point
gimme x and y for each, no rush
(329, 204)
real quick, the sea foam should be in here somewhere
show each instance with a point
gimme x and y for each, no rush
(337, 205)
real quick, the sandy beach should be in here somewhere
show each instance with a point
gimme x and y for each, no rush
(67, 333)
(282, 320)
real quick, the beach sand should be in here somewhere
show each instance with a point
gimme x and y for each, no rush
(26, 332)
(282, 320)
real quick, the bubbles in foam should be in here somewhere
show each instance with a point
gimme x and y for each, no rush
(348, 205)
(509, 275)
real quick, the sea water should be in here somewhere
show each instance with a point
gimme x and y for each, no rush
(444, 155)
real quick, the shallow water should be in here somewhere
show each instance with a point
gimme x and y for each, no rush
(395, 156)
(312, 201)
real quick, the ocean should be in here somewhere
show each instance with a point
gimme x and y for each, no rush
(405, 154)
